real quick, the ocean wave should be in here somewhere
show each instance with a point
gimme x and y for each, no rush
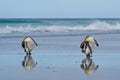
(57, 28)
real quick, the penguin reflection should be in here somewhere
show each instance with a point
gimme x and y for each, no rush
(28, 63)
(88, 65)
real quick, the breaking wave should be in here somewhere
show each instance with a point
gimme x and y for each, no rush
(57, 28)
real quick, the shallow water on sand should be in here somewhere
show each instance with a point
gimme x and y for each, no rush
(60, 58)
(59, 67)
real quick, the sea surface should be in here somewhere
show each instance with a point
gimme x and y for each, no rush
(58, 55)
(56, 25)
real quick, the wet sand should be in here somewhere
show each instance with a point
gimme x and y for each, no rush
(60, 58)
(52, 67)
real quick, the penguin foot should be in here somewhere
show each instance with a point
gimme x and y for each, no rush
(28, 53)
(83, 51)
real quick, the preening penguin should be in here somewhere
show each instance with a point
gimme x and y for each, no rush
(28, 44)
(88, 45)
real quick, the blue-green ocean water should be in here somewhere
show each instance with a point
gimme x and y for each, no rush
(57, 25)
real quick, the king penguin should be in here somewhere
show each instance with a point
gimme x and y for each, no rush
(88, 45)
(28, 44)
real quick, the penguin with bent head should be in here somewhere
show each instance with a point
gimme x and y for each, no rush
(88, 45)
(28, 44)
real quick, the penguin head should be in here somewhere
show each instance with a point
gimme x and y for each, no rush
(26, 39)
(87, 39)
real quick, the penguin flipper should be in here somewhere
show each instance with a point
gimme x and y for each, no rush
(96, 42)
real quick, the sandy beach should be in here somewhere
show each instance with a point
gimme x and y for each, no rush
(59, 57)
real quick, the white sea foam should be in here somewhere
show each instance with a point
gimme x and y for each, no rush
(56, 28)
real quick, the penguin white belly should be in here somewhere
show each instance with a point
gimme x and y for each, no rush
(87, 51)
(31, 44)
(92, 45)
